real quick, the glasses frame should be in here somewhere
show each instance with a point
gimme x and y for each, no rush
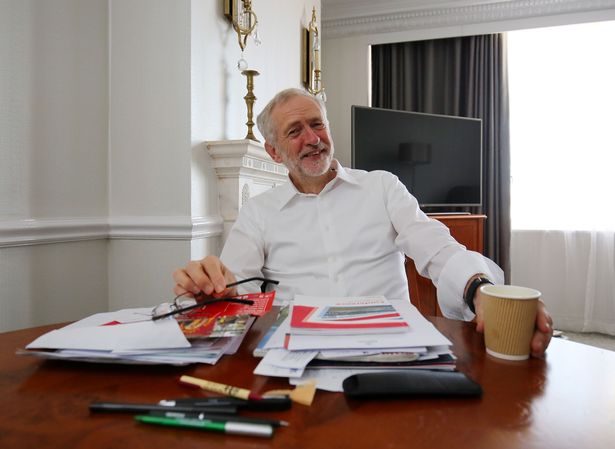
(176, 309)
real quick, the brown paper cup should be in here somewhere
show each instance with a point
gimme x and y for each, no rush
(510, 317)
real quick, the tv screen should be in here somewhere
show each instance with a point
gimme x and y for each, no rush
(437, 157)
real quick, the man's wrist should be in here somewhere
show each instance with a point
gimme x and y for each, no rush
(472, 286)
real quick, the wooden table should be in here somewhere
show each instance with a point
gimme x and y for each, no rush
(565, 401)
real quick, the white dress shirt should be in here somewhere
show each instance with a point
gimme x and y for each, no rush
(350, 240)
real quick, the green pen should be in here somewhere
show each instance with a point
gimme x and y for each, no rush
(230, 427)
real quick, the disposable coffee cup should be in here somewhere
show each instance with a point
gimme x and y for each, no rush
(510, 318)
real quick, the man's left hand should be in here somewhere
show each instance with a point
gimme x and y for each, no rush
(542, 332)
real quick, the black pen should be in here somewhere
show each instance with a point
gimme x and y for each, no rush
(118, 407)
(216, 417)
(270, 403)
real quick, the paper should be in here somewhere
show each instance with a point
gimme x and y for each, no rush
(420, 333)
(289, 359)
(343, 316)
(328, 380)
(136, 335)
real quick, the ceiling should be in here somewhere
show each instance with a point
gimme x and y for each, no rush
(340, 9)
(355, 17)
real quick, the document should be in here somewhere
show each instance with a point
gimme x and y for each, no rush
(107, 333)
(131, 336)
(343, 316)
(420, 332)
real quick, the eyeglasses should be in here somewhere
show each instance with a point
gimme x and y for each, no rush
(165, 310)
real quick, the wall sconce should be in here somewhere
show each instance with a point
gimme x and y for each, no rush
(311, 59)
(245, 23)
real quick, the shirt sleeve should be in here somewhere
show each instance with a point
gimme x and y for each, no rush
(435, 252)
(244, 252)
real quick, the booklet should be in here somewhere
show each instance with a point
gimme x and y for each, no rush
(339, 316)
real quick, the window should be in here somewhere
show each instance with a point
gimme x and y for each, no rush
(562, 125)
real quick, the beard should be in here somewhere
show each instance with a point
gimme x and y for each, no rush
(312, 161)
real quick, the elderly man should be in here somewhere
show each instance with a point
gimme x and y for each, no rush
(335, 231)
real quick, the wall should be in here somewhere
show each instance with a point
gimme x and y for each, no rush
(106, 105)
(53, 160)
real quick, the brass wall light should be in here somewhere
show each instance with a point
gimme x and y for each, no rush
(245, 24)
(312, 71)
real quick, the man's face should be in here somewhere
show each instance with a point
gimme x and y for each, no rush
(303, 143)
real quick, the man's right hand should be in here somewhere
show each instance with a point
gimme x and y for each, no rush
(208, 275)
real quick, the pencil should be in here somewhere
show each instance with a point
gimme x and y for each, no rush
(216, 387)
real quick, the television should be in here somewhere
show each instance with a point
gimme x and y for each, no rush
(437, 157)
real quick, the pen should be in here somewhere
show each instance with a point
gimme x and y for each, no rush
(270, 403)
(219, 417)
(216, 387)
(140, 408)
(230, 427)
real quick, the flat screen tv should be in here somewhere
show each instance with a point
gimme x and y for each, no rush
(437, 157)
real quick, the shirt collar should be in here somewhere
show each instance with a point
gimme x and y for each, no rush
(288, 191)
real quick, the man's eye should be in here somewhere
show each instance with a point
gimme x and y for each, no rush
(318, 125)
(294, 132)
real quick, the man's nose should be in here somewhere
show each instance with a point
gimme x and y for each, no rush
(311, 137)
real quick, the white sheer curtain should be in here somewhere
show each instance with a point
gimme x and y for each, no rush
(562, 103)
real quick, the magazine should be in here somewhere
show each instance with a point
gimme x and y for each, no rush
(368, 314)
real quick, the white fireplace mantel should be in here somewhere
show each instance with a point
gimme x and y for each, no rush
(244, 169)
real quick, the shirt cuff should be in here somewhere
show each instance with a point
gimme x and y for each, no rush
(454, 277)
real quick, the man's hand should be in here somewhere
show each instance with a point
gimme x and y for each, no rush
(542, 332)
(208, 276)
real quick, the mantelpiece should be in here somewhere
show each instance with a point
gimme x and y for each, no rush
(244, 169)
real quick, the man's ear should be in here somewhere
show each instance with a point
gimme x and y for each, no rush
(271, 151)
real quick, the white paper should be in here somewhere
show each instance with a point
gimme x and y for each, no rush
(147, 334)
(336, 353)
(327, 379)
(289, 359)
(265, 369)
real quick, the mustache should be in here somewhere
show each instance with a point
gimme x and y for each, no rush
(310, 148)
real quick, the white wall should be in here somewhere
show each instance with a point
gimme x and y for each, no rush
(105, 106)
(53, 156)
(149, 145)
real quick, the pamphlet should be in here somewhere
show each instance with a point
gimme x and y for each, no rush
(368, 314)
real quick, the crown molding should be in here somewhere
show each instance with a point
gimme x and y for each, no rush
(44, 231)
(368, 20)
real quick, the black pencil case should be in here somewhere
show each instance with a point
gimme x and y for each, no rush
(414, 383)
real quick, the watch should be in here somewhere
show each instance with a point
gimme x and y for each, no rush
(476, 282)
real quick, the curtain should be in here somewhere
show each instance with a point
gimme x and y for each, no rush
(574, 271)
(465, 76)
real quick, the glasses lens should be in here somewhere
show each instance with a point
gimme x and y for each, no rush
(163, 308)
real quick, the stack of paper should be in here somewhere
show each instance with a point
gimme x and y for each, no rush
(131, 336)
(329, 339)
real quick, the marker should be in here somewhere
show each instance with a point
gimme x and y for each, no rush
(216, 387)
(171, 413)
(119, 407)
(230, 427)
(270, 403)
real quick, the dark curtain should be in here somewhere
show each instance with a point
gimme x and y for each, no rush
(465, 76)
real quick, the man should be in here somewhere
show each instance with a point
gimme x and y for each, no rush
(334, 231)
